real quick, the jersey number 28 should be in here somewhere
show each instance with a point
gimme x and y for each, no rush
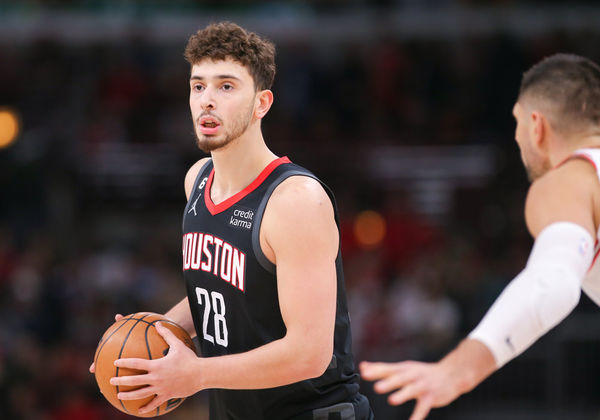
(218, 311)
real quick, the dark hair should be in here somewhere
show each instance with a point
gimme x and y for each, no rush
(219, 41)
(570, 84)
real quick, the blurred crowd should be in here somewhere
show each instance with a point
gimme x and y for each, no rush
(92, 194)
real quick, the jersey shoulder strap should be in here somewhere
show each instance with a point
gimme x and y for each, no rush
(589, 154)
(203, 173)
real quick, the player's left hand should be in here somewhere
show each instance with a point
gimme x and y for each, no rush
(169, 377)
(431, 384)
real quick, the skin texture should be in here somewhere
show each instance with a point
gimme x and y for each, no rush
(225, 91)
(560, 191)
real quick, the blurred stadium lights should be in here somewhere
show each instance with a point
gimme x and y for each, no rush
(290, 22)
(369, 229)
(10, 127)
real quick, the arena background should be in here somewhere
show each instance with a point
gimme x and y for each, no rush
(403, 107)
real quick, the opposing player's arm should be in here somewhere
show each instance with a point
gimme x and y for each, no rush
(560, 216)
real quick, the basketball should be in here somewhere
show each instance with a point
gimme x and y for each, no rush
(134, 336)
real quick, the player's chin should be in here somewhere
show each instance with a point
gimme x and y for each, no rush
(209, 142)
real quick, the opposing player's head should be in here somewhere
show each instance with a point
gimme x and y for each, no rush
(559, 95)
(232, 71)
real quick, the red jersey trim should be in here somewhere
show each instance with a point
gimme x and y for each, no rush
(578, 156)
(225, 204)
(595, 258)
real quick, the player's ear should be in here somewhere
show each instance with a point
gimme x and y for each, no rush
(264, 100)
(538, 128)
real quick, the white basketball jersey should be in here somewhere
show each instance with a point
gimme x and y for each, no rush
(591, 282)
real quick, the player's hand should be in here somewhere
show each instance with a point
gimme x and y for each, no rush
(169, 377)
(431, 384)
(118, 317)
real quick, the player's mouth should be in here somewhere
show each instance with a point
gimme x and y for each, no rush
(209, 125)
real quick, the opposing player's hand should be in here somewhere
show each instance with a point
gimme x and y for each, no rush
(165, 378)
(431, 384)
(92, 366)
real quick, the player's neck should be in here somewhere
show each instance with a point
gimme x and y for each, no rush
(238, 164)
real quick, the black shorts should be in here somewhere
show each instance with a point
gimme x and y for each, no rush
(357, 409)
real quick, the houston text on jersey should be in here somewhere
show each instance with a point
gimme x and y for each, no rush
(209, 253)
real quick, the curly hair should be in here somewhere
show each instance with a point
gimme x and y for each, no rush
(570, 85)
(219, 41)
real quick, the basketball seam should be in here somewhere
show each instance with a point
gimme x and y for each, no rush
(120, 353)
(125, 320)
(102, 343)
(150, 324)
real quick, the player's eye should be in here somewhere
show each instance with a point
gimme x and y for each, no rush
(197, 87)
(227, 87)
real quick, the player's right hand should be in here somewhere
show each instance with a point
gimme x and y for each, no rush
(118, 317)
(430, 384)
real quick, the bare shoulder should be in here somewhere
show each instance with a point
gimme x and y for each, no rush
(191, 175)
(299, 219)
(567, 193)
(301, 194)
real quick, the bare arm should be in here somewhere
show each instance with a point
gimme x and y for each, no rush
(181, 315)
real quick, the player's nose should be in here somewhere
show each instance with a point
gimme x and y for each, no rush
(208, 100)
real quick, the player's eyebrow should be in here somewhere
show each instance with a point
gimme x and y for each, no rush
(220, 77)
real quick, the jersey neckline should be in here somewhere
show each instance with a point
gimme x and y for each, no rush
(578, 154)
(227, 203)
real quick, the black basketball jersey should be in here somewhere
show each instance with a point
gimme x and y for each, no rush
(232, 291)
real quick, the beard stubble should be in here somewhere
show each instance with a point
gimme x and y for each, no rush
(238, 127)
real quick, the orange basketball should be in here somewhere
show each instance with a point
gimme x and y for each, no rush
(134, 336)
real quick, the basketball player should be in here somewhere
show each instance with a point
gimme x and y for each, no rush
(261, 260)
(558, 132)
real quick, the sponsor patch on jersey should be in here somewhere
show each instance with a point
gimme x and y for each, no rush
(241, 217)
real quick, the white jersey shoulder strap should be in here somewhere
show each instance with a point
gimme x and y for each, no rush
(591, 155)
